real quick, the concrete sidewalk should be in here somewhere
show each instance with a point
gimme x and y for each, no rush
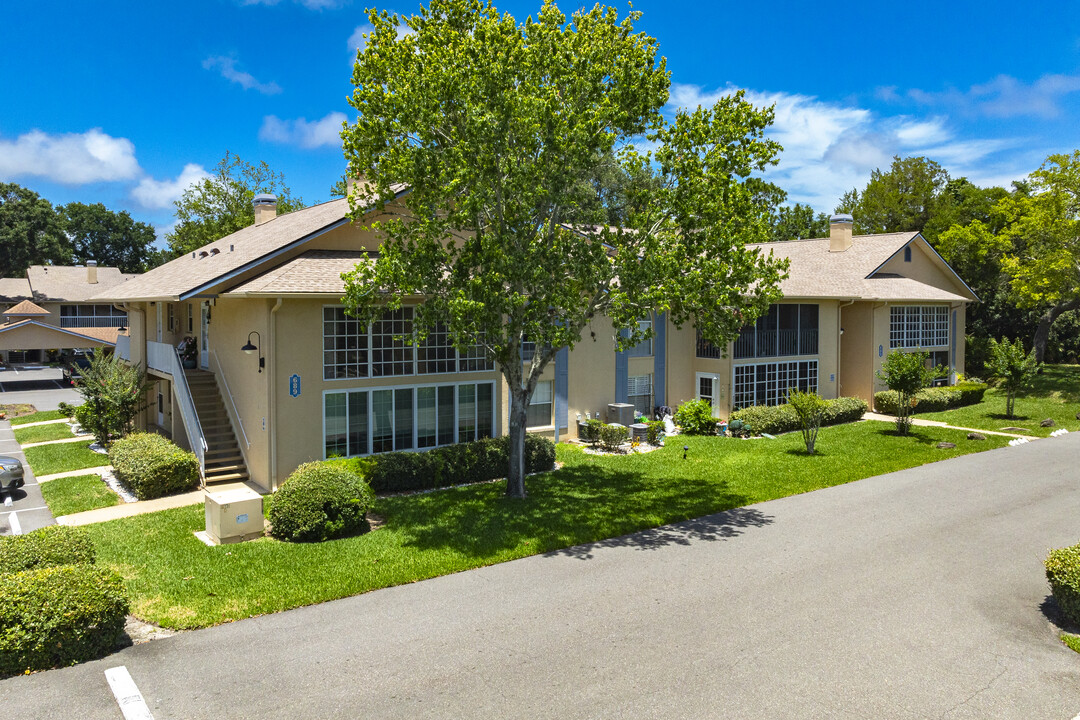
(916, 594)
(124, 510)
(880, 417)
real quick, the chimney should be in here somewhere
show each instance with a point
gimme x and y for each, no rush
(840, 232)
(265, 208)
(356, 186)
(91, 272)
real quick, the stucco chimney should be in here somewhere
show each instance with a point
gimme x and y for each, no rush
(265, 208)
(91, 272)
(356, 185)
(840, 232)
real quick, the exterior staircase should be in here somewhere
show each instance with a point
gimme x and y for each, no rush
(224, 461)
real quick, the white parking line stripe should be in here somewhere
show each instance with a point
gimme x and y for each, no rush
(127, 694)
(13, 520)
(40, 507)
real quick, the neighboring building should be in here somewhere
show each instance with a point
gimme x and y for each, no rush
(49, 310)
(282, 376)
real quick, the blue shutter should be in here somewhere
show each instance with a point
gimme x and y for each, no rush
(622, 374)
(562, 382)
(660, 360)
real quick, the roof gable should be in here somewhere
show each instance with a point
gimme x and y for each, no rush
(26, 309)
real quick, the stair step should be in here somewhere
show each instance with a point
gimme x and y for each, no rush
(219, 469)
(225, 460)
(231, 477)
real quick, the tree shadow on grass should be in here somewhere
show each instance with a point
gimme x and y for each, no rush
(1003, 416)
(573, 506)
(801, 452)
(919, 436)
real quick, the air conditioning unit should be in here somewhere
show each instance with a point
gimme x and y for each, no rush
(234, 515)
(621, 413)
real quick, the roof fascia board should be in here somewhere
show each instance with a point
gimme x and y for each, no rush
(200, 290)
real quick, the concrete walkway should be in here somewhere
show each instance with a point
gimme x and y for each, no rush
(124, 510)
(40, 422)
(880, 417)
(79, 438)
(918, 594)
(75, 473)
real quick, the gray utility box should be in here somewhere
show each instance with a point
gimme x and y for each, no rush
(234, 515)
(622, 413)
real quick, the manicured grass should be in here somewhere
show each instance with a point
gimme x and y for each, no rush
(1056, 395)
(49, 459)
(178, 582)
(65, 496)
(1072, 641)
(37, 417)
(43, 433)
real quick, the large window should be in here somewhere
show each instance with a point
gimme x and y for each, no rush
(73, 316)
(643, 348)
(918, 326)
(784, 331)
(706, 349)
(639, 393)
(539, 412)
(352, 351)
(768, 383)
(361, 422)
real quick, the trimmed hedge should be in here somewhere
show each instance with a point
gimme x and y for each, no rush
(152, 466)
(612, 436)
(59, 616)
(776, 419)
(1063, 572)
(694, 417)
(477, 461)
(46, 547)
(320, 501)
(933, 399)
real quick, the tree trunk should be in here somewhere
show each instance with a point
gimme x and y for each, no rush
(1046, 320)
(515, 478)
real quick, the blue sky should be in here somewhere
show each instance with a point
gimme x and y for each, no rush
(126, 103)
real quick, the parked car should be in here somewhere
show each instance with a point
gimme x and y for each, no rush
(11, 473)
(74, 369)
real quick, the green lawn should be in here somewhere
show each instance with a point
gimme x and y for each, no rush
(43, 433)
(39, 416)
(1072, 641)
(178, 582)
(1056, 395)
(65, 496)
(49, 459)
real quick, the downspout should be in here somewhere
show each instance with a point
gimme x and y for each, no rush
(873, 334)
(839, 334)
(272, 395)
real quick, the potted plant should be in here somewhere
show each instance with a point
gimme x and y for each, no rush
(188, 350)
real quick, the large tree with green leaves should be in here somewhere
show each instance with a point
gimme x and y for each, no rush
(796, 222)
(498, 127)
(31, 232)
(898, 199)
(222, 203)
(111, 238)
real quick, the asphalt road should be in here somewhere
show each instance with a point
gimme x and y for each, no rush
(24, 509)
(42, 387)
(918, 594)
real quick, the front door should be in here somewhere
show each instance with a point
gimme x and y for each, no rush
(708, 388)
(204, 336)
(160, 406)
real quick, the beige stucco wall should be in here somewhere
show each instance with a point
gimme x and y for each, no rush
(35, 337)
(857, 350)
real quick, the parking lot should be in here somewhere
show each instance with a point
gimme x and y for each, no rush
(37, 385)
(24, 509)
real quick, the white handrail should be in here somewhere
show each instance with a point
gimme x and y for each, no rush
(215, 366)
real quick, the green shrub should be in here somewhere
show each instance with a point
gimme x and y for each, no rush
(739, 428)
(778, 419)
(46, 547)
(476, 461)
(612, 436)
(590, 433)
(1063, 572)
(320, 501)
(694, 417)
(933, 399)
(656, 430)
(152, 466)
(809, 408)
(971, 392)
(58, 616)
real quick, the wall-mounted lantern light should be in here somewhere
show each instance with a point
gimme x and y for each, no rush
(252, 349)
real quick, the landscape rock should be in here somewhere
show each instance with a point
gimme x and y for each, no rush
(976, 436)
(1078, 416)
(945, 445)
(1048, 422)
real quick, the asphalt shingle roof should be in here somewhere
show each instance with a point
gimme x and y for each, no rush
(26, 309)
(316, 272)
(71, 283)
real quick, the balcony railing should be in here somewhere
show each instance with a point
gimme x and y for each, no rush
(76, 321)
(776, 343)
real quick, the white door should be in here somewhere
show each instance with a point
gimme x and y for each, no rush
(160, 406)
(204, 336)
(708, 388)
(159, 328)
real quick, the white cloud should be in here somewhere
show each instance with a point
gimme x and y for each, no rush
(226, 66)
(305, 133)
(358, 42)
(1002, 97)
(309, 4)
(151, 193)
(830, 148)
(70, 158)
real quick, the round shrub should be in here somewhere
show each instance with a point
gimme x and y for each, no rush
(1063, 572)
(152, 466)
(58, 616)
(46, 547)
(320, 502)
(694, 417)
(612, 436)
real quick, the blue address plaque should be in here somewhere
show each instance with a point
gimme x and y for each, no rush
(294, 385)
